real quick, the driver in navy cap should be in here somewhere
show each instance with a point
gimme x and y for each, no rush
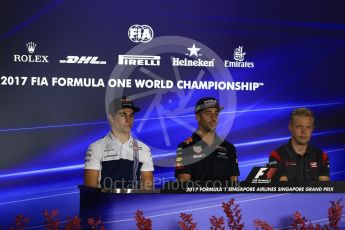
(205, 156)
(118, 160)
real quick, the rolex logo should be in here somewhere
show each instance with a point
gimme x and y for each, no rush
(30, 57)
(31, 47)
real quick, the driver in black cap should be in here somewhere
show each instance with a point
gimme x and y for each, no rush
(205, 156)
(118, 160)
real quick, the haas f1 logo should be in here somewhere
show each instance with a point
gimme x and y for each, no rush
(82, 60)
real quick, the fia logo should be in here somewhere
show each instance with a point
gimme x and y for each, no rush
(140, 33)
(239, 54)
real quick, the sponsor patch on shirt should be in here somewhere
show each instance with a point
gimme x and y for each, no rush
(108, 148)
(273, 163)
(111, 156)
(222, 156)
(179, 166)
(221, 149)
(221, 153)
(136, 147)
(189, 140)
(197, 149)
(313, 164)
(198, 155)
(290, 163)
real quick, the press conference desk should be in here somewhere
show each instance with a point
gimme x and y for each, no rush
(117, 207)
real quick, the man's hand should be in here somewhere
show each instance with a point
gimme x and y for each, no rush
(233, 178)
(324, 178)
(283, 178)
(184, 177)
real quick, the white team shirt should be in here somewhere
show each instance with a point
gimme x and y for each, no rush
(109, 148)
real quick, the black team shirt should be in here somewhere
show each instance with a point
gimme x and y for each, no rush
(309, 167)
(203, 162)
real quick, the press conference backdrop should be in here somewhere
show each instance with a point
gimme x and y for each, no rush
(63, 61)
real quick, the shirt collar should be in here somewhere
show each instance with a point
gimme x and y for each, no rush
(196, 137)
(113, 138)
(308, 150)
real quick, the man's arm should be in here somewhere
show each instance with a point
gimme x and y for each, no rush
(146, 180)
(93, 166)
(275, 161)
(233, 163)
(91, 178)
(146, 171)
(324, 171)
(182, 171)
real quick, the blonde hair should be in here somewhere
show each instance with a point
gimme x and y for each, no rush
(302, 112)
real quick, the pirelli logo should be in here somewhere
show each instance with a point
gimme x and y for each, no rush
(140, 60)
